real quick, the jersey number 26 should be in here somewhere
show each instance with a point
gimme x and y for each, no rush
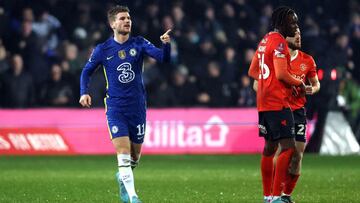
(264, 69)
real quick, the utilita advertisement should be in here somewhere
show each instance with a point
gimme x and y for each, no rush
(167, 131)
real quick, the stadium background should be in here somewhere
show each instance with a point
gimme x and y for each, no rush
(44, 44)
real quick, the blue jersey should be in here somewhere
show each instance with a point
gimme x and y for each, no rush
(123, 66)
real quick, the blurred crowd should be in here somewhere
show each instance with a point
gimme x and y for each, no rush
(45, 44)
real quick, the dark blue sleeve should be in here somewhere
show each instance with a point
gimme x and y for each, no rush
(161, 55)
(89, 68)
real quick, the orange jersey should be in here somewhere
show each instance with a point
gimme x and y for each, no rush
(272, 94)
(303, 67)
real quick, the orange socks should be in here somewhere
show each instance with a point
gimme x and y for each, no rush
(267, 168)
(281, 170)
(290, 184)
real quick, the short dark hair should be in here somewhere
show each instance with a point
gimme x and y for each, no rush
(115, 10)
(279, 15)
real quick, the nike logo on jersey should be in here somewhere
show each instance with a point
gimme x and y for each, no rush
(109, 57)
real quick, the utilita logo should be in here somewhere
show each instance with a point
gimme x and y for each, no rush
(165, 133)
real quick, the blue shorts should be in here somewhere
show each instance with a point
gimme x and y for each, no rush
(130, 124)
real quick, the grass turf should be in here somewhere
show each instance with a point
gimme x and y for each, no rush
(189, 178)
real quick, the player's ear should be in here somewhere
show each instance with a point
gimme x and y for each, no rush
(111, 24)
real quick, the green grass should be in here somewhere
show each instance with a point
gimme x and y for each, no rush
(174, 179)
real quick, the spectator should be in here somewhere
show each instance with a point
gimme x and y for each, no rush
(17, 88)
(56, 92)
(29, 46)
(4, 66)
(247, 97)
(181, 84)
(213, 92)
(223, 32)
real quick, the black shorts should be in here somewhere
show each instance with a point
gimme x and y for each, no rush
(300, 124)
(276, 125)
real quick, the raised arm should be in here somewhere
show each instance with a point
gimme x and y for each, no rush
(163, 54)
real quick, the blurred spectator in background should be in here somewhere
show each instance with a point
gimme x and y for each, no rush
(47, 28)
(355, 44)
(213, 91)
(30, 47)
(247, 96)
(57, 92)
(184, 87)
(223, 32)
(163, 96)
(229, 66)
(16, 86)
(71, 60)
(4, 65)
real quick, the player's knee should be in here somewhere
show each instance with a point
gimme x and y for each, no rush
(300, 156)
(269, 151)
(297, 156)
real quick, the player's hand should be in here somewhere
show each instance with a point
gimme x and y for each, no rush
(85, 100)
(298, 91)
(165, 38)
(309, 90)
(294, 91)
(302, 86)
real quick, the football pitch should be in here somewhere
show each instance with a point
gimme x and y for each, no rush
(188, 178)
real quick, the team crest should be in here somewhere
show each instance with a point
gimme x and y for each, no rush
(114, 129)
(122, 54)
(302, 67)
(132, 52)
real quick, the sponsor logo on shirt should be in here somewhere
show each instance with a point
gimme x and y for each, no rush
(126, 73)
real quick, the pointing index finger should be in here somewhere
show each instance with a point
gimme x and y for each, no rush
(167, 32)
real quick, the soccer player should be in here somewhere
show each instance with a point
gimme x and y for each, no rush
(303, 67)
(269, 67)
(122, 59)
